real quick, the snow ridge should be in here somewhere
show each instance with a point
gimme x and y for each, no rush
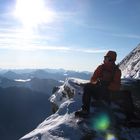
(63, 125)
(130, 65)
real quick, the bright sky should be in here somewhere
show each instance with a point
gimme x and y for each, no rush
(69, 34)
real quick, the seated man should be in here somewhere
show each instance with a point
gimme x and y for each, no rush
(105, 81)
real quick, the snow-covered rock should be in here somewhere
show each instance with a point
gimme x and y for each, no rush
(130, 65)
(63, 125)
(70, 89)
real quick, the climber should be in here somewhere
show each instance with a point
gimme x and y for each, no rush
(105, 81)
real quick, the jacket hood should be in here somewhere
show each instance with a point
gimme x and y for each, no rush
(112, 55)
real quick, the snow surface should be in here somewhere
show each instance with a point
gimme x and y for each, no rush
(63, 124)
(22, 80)
(60, 126)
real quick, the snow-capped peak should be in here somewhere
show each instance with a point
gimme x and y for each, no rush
(130, 65)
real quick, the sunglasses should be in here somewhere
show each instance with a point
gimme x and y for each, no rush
(107, 58)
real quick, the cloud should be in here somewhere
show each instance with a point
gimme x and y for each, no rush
(11, 45)
(19, 39)
(14, 37)
(91, 50)
(133, 36)
(27, 45)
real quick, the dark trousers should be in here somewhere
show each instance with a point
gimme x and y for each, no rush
(100, 92)
(124, 99)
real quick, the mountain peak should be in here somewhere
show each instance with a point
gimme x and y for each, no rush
(63, 125)
(130, 65)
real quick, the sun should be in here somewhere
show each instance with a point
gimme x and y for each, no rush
(31, 13)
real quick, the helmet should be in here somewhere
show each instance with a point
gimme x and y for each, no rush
(112, 55)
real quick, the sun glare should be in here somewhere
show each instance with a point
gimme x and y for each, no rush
(33, 12)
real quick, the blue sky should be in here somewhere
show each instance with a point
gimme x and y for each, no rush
(69, 34)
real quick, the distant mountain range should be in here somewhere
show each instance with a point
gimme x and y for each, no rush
(56, 74)
(130, 65)
(42, 80)
(35, 84)
(24, 98)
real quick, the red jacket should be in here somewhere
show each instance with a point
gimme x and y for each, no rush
(110, 74)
